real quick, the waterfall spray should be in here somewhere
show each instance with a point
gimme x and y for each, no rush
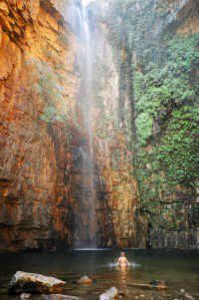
(85, 230)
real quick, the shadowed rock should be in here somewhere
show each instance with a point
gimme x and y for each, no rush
(34, 283)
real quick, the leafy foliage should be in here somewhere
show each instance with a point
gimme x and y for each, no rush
(167, 109)
(166, 90)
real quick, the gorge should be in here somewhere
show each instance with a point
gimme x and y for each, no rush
(99, 124)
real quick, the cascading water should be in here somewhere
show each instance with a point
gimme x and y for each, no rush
(85, 219)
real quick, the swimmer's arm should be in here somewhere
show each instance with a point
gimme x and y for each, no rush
(118, 261)
(127, 262)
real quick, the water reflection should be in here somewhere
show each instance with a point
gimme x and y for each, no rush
(123, 273)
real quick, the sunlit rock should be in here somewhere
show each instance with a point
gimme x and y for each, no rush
(34, 60)
(34, 283)
(110, 294)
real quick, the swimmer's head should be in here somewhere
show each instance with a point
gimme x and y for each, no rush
(122, 254)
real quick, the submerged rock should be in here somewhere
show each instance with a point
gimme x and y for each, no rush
(58, 297)
(110, 294)
(149, 286)
(85, 280)
(34, 283)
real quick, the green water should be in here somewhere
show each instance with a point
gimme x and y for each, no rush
(179, 269)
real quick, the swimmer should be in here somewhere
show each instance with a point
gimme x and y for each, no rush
(123, 261)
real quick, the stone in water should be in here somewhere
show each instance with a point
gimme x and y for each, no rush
(85, 280)
(23, 282)
(110, 294)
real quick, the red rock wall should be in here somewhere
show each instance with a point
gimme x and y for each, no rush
(32, 153)
(43, 189)
(40, 195)
(42, 184)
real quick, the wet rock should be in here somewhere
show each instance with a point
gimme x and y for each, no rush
(188, 297)
(122, 293)
(149, 286)
(157, 282)
(58, 297)
(110, 294)
(85, 280)
(141, 296)
(25, 296)
(34, 283)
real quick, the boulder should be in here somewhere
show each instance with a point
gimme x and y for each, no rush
(110, 294)
(58, 297)
(25, 296)
(85, 280)
(23, 282)
(188, 297)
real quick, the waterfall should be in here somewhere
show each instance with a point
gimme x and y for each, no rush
(85, 226)
(177, 6)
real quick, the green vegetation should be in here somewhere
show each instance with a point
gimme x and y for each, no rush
(167, 111)
(163, 90)
(47, 86)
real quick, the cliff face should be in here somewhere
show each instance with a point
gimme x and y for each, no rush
(113, 151)
(115, 188)
(35, 85)
(173, 221)
(153, 40)
(44, 181)
(42, 192)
